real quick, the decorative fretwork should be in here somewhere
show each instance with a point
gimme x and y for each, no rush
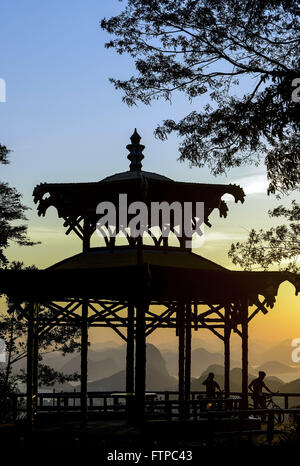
(76, 203)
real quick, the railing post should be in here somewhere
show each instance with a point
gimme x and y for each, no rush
(210, 428)
(194, 408)
(66, 401)
(168, 407)
(14, 406)
(286, 402)
(270, 426)
(116, 401)
(58, 403)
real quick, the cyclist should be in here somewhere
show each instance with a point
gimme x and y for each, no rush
(256, 387)
(211, 385)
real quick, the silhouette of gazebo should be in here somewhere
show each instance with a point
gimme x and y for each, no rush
(136, 288)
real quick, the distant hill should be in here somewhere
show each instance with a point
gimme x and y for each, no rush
(171, 358)
(101, 363)
(256, 349)
(201, 359)
(102, 368)
(276, 367)
(281, 352)
(157, 376)
(292, 387)
(155, 380)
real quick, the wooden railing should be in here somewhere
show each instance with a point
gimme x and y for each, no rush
(166, 405)
(164, 402)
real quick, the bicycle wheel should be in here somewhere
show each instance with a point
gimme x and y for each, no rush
(278, 416)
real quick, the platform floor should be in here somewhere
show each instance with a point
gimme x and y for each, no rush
(118, 434)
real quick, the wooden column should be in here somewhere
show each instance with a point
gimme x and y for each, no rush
(187, 362)
(35, 362)
(181, 358)
(130, 350)
(84, 336)
(244, 322)
(29, 380)
(84, 362)
(188, 344)
(227, 331)
(130, 364)
(140, 361)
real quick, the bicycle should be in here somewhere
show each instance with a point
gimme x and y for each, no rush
(270, 404)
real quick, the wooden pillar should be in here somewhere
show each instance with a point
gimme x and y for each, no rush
(130, 364)
(130, 350)
(181, 359)
(35, 362)
(84, 362)
(140, 361)
(187, 362)
(188, 344)
(84, 336)
(29, 386)
(244, 322)
(227, 331)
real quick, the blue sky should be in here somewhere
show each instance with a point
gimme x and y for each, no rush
(65, 122)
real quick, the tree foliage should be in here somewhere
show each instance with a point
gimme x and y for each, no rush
(3, 154)
(11, 210)
(279, 245)
(13, 330)
(244, 54)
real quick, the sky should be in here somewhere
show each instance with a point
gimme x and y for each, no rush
(65, 122)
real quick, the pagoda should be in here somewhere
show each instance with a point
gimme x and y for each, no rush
(135, 284)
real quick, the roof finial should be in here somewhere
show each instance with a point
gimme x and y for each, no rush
(135, 152)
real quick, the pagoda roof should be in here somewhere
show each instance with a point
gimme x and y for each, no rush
(128, 175)
(170, 276)
(99, 258)
(76, 200)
